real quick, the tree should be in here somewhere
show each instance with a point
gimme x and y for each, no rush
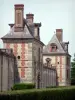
(73, 71)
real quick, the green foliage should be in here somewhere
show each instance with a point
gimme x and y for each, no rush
(51, 86)
(21, 86)
(65, 93)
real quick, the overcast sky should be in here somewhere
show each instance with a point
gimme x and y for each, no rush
(52, 14)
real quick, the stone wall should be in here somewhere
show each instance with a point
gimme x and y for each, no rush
(7, 64)
(49, 77)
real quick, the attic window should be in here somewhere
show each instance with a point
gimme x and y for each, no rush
(53, 47)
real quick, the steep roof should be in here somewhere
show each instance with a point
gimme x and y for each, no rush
(60, 49)
(26, 33)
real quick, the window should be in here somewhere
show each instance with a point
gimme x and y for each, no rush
(53, 47)
(18, 57)
(58, 62)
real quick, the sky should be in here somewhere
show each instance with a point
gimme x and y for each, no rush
(53, 14)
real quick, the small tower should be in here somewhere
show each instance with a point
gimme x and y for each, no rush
(26, 47)
(57, 51)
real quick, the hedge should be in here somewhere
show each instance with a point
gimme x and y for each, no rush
(66, 93)
(22, 86)
(73, 82)
(51, 87)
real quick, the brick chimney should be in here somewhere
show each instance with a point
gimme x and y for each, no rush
(19, 15)
(30, 18)
(59, 34)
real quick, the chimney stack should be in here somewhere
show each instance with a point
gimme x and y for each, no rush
(19, 15)
(59, 34)
(29, 18)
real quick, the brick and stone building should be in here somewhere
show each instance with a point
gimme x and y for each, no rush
(31, 65)
(57, 51)
(24, 39)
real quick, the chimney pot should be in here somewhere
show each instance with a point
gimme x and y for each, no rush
(30, 18)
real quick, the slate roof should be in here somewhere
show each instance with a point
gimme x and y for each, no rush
(63, 44)
(60, 46)
(26, 33)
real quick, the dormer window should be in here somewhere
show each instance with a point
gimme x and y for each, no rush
(53, 47)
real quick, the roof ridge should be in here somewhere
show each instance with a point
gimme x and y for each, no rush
(28, 27)
(60, 43)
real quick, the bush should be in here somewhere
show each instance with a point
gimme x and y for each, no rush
(21, 86)
(51, 86)
(66, 93)
(73, 82)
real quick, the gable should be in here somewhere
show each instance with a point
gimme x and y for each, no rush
(55, 41)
